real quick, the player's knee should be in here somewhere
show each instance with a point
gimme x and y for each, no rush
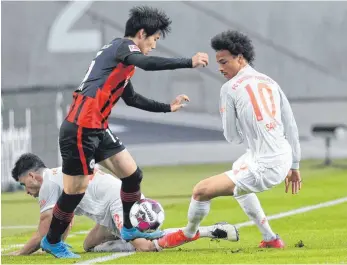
(201, 191)
(75, 184)
(134, 178)
(139, 174)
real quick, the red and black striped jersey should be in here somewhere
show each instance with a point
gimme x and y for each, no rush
(102, 85)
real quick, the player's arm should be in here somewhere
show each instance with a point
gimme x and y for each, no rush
(229, 119)
(290, 129)
(130, 54)
(133, 99)
(155, 63)
(34, 243)
(48, 196)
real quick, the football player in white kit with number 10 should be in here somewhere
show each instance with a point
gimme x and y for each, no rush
(254, 112)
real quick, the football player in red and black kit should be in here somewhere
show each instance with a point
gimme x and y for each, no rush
(85, 138)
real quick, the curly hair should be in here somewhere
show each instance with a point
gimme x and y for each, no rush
(148, 18)
(236, 43)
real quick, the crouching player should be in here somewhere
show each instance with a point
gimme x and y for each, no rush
(101, 203)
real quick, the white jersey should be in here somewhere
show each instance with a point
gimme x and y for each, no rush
(101, 201)
(256, 112)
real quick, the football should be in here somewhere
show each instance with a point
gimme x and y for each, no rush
(147, 215)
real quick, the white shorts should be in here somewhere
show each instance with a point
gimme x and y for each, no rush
(251, 176)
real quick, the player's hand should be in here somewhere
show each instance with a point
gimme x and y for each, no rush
(294, 178)
(200, 59)
(178, 102)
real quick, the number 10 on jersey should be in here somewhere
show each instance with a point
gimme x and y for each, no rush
(261, 88)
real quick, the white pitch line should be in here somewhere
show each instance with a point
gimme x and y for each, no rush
(106, 258)
(11, 247)
(250, 223)
(19, 227)
(298, 211)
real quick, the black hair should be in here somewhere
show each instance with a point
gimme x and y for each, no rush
(236, 43)
(25, 163)
(148, 18)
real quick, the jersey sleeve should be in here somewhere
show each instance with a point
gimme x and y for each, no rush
(130, 54)
(231, 129)
(126, 48)
(133, 99)
(290, 129)
(49, 195)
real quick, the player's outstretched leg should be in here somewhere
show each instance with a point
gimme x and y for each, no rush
(204, 191)
(250, 204)
(221, 230)
(131, 193)
(123, 166)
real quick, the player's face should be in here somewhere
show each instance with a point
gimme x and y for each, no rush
(229, 65)
(31, 184)
(147, 44)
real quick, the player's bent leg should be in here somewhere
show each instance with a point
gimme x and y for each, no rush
(203, 192)
(63, 212)
(139, 245)
(117, 245)
(77, 147)
(212, 187)
(124, 166)
(75, 184)
(251, 178)
(220, 230)
(121, 164)
(98, 235)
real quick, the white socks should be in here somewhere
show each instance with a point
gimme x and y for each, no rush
(251, 206)
(196, 213)
(205, 231)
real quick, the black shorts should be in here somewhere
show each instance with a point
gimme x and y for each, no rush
(81, 147)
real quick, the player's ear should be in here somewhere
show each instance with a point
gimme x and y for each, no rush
(240, 58)
(142, 34)
(31, 175)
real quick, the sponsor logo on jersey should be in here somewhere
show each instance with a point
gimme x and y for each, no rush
(134, 48)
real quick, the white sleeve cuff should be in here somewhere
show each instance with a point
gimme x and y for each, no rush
(295, 165)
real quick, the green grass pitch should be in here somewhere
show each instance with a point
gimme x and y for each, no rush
(323, 231)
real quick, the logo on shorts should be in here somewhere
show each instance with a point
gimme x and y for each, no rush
(92, 164)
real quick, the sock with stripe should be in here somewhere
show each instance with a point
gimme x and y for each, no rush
(63, 213)
(130, 193)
